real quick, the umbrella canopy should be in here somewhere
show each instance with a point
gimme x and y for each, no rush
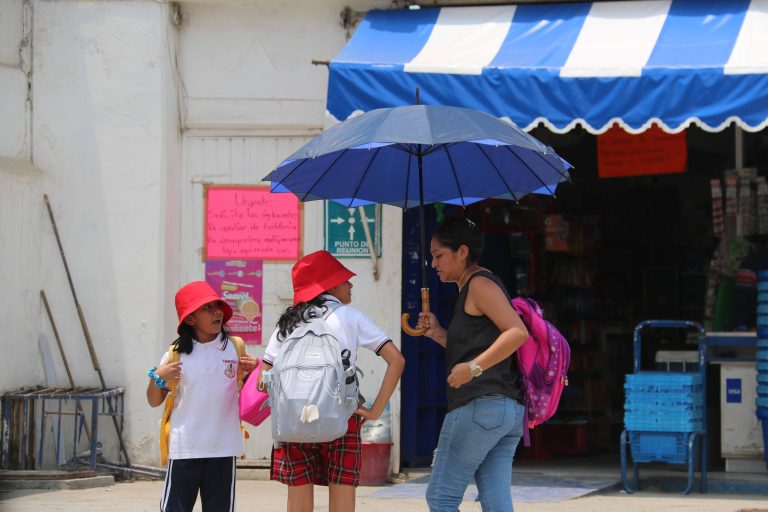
(466, 156)
(419, 154)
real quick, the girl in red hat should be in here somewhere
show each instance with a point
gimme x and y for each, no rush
(200, 433)
(318, 280)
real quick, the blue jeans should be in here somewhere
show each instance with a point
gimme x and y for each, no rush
(477, 440)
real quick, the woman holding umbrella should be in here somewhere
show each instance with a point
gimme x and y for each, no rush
(484, 395)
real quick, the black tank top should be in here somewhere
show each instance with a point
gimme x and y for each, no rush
(468, 337)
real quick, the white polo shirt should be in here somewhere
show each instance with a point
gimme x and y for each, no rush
(349, 325)
(205, 421)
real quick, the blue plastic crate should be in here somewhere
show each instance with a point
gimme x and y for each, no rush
(662, 423)
(663, 382)
(662, 397)
(652, 390)
(665, 378)
(680, 410)
(654, 403)
(664, 403)
(659, 446)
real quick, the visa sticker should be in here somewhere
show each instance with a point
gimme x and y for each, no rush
(733, 391)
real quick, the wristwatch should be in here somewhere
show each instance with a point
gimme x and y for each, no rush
(475, 369)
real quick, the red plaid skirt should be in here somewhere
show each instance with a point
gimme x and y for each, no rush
(335, 462)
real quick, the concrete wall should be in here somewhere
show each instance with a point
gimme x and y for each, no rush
(21, 231)
(102, 105)
(15, 70)
(105, 138)
(21, 212)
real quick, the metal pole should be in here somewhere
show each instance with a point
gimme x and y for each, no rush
(94, 426)
(87, 334)
(44, 421)
(422, 229)
(25, 434)
(63, 355)
(372, 246)
(59, 445)
(84, 326)
(6, 434)
(423, 253)
(139, 470)
(58, 338)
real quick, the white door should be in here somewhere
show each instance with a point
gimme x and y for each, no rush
(237, 161)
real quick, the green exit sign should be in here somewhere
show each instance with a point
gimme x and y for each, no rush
(345, 235)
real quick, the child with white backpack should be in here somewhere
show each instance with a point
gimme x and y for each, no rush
(321, 326)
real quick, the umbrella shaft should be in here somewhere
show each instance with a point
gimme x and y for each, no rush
(422, 229)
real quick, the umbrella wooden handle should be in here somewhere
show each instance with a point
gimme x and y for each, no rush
(411, 331)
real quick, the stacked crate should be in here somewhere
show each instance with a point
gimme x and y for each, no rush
(761, 402)
(660, 411)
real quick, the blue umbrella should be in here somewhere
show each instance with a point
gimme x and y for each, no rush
(419, 154)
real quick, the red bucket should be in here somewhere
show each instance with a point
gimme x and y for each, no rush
(374, 467)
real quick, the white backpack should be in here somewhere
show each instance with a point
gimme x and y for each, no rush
(311, 394)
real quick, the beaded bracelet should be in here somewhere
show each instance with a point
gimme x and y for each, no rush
(159, 382)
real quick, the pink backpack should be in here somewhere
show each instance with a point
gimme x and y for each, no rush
(254, 408)
(543, 362)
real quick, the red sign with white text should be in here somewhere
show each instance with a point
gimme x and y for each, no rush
(654, 151)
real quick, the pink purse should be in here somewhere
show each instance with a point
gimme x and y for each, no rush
(254, 406)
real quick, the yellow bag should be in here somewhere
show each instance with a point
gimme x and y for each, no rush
(165, 420)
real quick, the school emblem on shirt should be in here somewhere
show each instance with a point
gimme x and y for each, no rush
(230, 368)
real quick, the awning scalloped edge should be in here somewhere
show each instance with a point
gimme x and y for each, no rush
(653, 120)
(331, 120)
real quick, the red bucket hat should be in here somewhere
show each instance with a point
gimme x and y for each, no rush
(195, 294)
(316, 273)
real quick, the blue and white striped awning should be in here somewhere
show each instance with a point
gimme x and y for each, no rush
(673, 62)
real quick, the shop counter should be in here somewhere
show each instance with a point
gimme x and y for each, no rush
(741, 436)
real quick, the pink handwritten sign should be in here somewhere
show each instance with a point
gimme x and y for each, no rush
(251, 223)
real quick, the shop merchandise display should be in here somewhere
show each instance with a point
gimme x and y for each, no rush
(731, 204)
(721, 282)
(746, 218)
(762, 205)
(717, 207)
